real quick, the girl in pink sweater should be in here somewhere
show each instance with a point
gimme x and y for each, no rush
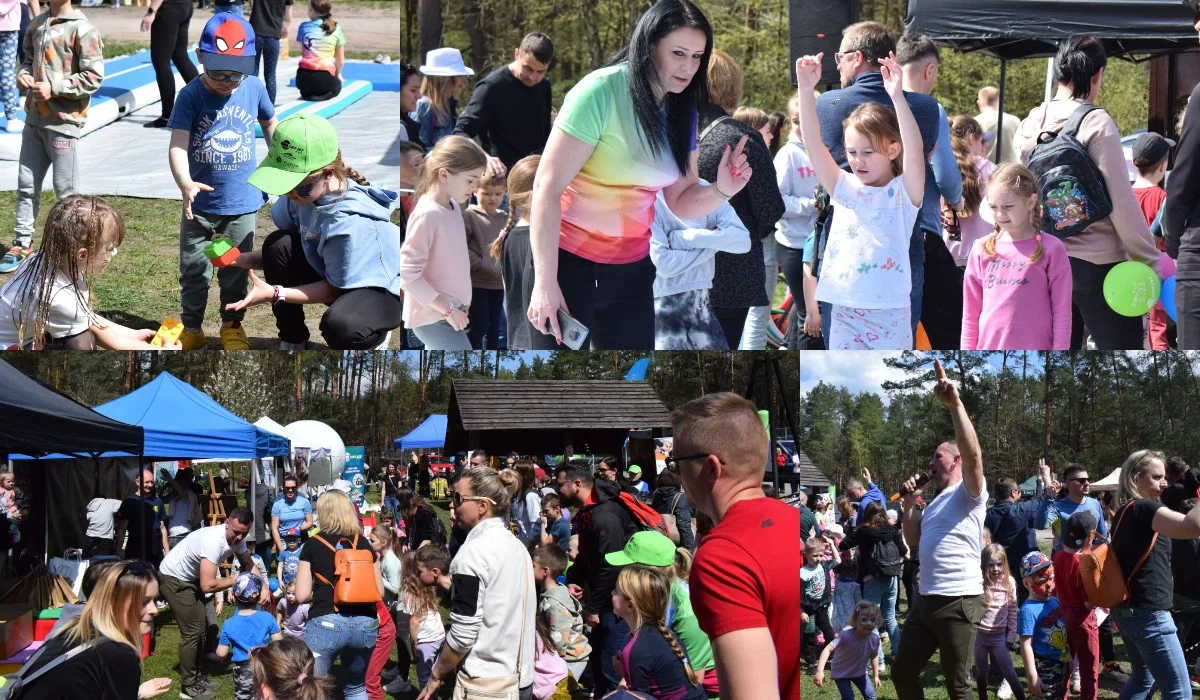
(435, 268)
(1017, 284)
(998, 628)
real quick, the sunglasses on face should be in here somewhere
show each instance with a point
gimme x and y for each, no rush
(1081, 480)
(226, 76)
(457, 499)
(673, 462)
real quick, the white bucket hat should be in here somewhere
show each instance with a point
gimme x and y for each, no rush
(445, 62)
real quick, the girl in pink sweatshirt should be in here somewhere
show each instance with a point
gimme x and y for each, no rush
(1017, 284)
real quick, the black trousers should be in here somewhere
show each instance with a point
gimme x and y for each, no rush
(809, 650)
(1187, 313)
(169, 44)
(317, 85)
(733, 322)
(1109, 329)
(615, 302)
(357, 320)
(791, 261)
(487, 306)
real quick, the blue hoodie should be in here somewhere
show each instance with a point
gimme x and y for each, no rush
(348, 238)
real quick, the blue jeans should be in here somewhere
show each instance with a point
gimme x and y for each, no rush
(884, 592)
(607, 640)
(353, 638)
(391, 504)
(846, 686)
(266, 52)
(1155, 655)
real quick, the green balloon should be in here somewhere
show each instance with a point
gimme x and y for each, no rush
(1131, 288)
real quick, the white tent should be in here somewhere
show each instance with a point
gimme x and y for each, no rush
(326, 453)
(1108, 483)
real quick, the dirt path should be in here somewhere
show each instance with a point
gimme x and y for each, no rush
(367, 28)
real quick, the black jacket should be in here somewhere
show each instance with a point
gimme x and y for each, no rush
(865, 538)
(740, 278)
(1180, 220)
(603, 527)
(510, 120)
(662, 501)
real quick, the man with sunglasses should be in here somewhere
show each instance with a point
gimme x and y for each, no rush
(745, 581)
(212, 155)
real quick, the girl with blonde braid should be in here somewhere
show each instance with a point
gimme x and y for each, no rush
(653, 661)
(515, 256)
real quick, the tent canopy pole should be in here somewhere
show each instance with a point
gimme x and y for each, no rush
(1000, 116)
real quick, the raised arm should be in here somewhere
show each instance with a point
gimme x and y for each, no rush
(808, 74)
(910, 134)
(964, 432)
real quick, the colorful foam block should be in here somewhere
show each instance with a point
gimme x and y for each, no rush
(168, 333)
(15, 662)
(221, 252)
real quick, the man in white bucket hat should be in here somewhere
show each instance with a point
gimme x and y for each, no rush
(437, 110)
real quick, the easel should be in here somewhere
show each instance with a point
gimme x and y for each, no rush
(217, 516)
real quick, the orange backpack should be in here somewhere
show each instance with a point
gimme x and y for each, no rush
(1100, 572)
(353, 573)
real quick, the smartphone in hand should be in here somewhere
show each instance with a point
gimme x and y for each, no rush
(574, 333)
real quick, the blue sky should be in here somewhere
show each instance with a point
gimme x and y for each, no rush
(857, 371)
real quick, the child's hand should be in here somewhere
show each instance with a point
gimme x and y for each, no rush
(804, 618)
(458, 319)
(808, 72)
(877, 683)
(893, 79)
(153, 687)
(819, 679)
(1035, 687)
(190, 190)
(43, 90)
(812, 323)
(26, 81)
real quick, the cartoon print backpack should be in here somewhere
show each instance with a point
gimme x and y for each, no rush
(1070, 186)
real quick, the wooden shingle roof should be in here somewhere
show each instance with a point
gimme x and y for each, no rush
(557, 404)
(809, 474)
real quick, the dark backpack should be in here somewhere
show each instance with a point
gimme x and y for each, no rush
(886, 561)
(1070, 186)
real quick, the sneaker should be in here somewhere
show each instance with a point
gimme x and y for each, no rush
(1112, 671)
(193, 339)
(14, 126)
(197, 693)
(388, 675)
(13, 258)
(1075, 680)
(1195, 682)
(398, 686)
(233, 337)
(1005, 692)
(208, 683)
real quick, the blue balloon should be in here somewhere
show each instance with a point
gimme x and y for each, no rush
(274, 583)
(1167, 296)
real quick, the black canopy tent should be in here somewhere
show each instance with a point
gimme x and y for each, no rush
(1012, 29)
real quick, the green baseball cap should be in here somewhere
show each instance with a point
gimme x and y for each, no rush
(635, 469)
(300, 145)
(646, 547)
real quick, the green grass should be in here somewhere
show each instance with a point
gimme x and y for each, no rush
(114, 48)
(141, 286)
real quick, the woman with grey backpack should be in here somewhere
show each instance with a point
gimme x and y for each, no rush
(669, 499)
(881, 551)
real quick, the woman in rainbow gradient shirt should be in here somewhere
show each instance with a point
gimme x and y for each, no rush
(621, 137)
(322, 53)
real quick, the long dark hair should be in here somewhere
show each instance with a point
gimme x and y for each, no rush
(676, 132)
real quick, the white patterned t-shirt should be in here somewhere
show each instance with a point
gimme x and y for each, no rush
(866, 258)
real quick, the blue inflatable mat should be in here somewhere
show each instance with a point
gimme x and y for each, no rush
(384, 78)
(121, 76)
(352, 91)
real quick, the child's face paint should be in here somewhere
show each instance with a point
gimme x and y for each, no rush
(309, 190)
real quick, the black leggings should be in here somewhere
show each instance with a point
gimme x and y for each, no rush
(357, 320)
(1110, 330)
(169, 44)
(317, 85)
(615, 302)
(733, 322)
(486, 313)
(809, 649)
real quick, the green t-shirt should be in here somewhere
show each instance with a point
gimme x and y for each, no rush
(608, 208)
(685, 626)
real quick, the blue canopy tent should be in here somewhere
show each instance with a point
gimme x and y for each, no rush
(430, 433)
(182, 422)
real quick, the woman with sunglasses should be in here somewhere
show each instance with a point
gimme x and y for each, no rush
(348, 631)
(292, 511)
(492, 576)
(335, 244)
(421, 523)
(98, 654)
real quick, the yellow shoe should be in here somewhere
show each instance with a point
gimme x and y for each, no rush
(193, 340)
(233, 337)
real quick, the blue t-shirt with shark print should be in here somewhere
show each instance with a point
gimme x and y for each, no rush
(221, 143)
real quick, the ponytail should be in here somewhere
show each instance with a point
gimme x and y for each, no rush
(693, 677)
(324, 10)
(520, 194)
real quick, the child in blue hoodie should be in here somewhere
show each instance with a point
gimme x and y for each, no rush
(335, 245)
(684, 254)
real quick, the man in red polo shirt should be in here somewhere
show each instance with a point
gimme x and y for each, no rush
(745, 582)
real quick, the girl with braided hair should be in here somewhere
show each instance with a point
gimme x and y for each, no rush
(286, 668)
(653, 661)
(335, 244)
(512, 249)
(47, 303)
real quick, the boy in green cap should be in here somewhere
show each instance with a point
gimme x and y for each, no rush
(651, 548)
(335, 244)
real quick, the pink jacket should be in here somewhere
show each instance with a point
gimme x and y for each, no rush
(10, 15)
(1122, 236)
(433, 261)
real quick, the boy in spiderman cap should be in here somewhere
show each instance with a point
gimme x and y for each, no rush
(212, 154)
(1043, 634)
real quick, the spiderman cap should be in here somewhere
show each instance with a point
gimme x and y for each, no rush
(227, 43)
